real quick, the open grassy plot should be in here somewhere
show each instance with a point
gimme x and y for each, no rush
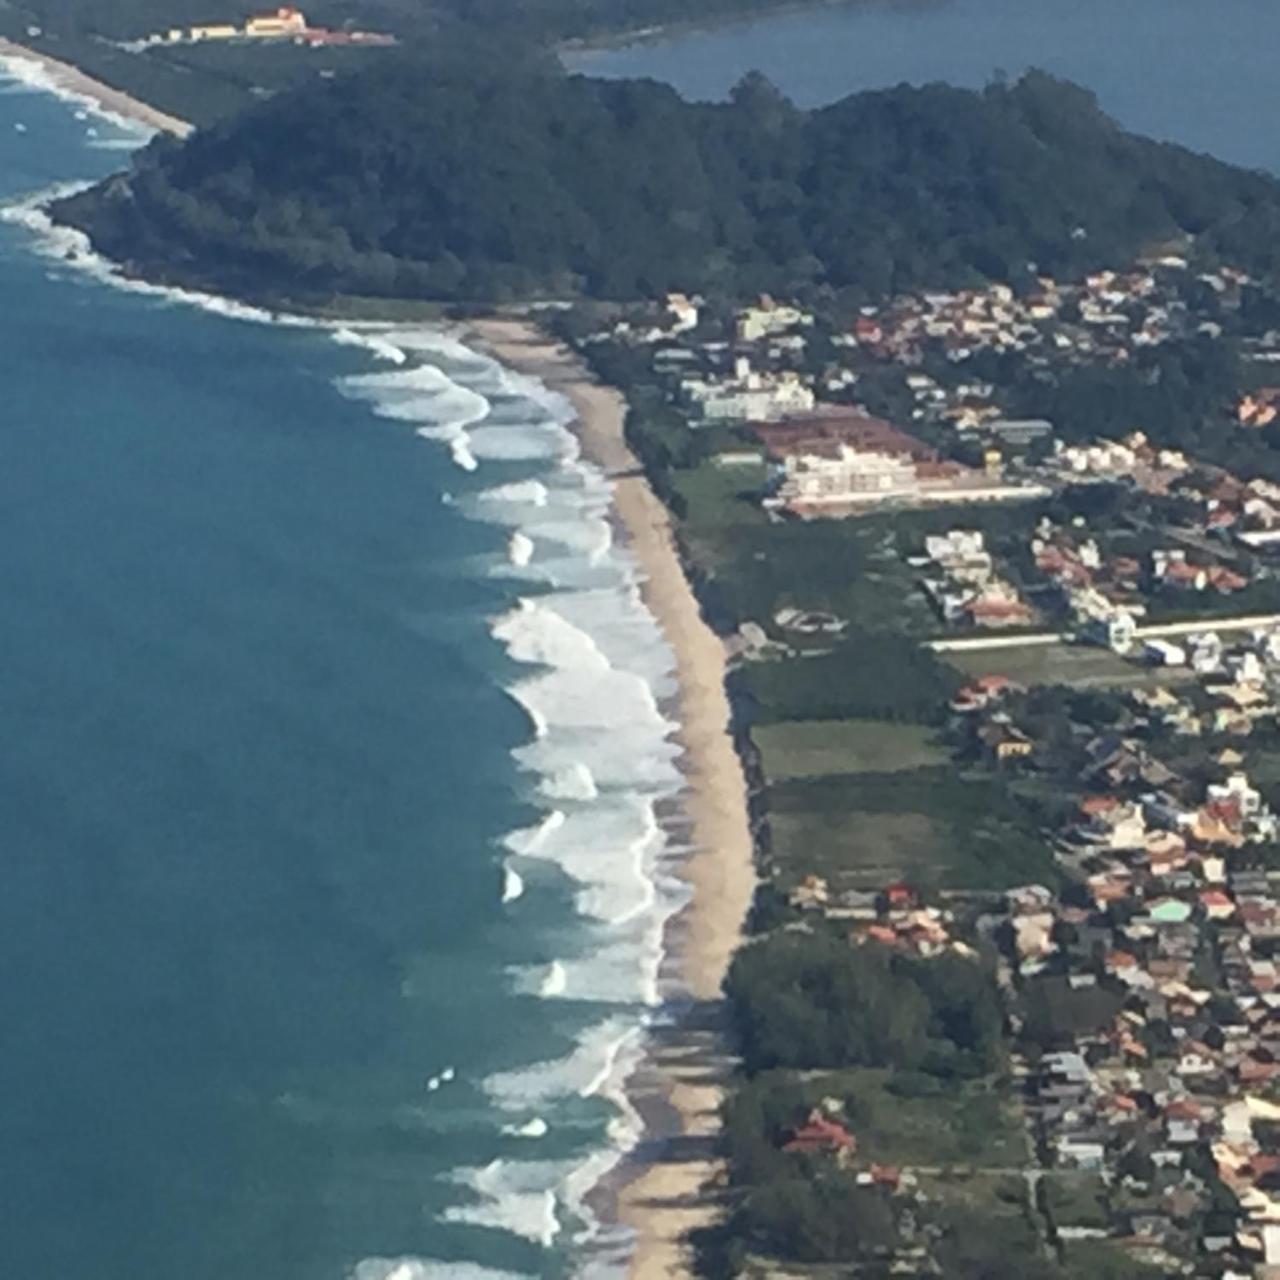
(1102, 1260)
(973, 1125)
(819, 748)
(1081, 666)
(988, 1217)
(931, 826)
(851, 568)
(1076, 1199)
(721, 497)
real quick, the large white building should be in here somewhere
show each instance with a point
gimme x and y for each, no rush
(838, 458)
(747, 396)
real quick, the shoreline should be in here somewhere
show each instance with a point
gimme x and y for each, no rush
(68, 81)
(666, 1187)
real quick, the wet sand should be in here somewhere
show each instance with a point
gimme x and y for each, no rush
(672, 1183)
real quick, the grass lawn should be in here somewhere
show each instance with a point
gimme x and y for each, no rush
(1080, 666)
(1076, 1199)
(931, 826)
(722, 497)
(1102, 1260)
(993, 1207)
(819, 748)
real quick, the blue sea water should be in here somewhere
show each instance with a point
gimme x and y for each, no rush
(1189, 71)
(330, 885)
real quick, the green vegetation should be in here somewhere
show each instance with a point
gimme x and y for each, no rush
(1057, 1014)
(917, 1120)
(932, 826)
(531, 20)
(810, 1002)
(1075, 1199)
(1076, 665)
(200, 83)
(875, 676)
(820, 748)
(497, 178)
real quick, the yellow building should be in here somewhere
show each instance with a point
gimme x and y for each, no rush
(219, 31)
(284, 22)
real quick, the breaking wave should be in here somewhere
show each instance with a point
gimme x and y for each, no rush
(590, 668)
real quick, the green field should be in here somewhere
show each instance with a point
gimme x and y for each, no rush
(929, 825)
(1081, 666)
(975, 1125)
(1076, 1199)
(820, 748)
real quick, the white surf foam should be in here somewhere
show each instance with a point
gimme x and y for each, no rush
(521, 493)
(519, 550)
(590, 696)
(583, 1072)
(512, 884)
(573, 782)
(428, 1269)
(371, 341)
(519, 1197)
(71, 249)
(29, 75)
(535, 1128)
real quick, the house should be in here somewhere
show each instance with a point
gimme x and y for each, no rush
(811, 894)
(983, 691)
(1169, 911)
(1216, 904)
(1004, 743)
(212, 31)
(283, 22)
(1074, 1153)
(834, 461)
(1114, 629)
(683, 312)
(747, 396)
(1160, 653)
(1173, 569)
(821, 1136)
(768, 318)
(1019, 432)
(900, 896)
(1260, 408)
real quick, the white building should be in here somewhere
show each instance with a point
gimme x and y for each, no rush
(769, 318)
(747, 396)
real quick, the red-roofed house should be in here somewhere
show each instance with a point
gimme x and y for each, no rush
(820, 1135)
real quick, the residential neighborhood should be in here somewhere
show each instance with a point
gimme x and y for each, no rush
(1010, 684)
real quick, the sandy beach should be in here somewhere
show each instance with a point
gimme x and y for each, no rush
(63, 78)
(672, 1189)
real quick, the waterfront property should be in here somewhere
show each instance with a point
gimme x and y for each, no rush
(838, 462)
(285, 23)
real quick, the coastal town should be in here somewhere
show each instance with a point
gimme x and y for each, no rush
(1068, 783)
(960, 574)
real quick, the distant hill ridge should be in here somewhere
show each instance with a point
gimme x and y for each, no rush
(483, 183)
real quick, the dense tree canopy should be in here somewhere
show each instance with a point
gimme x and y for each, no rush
(808, 1002)
(466, 180)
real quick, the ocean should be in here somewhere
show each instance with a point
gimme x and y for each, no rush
(331, 882)
(1187, 71)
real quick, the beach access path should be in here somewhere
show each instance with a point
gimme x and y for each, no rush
(62, 77)
(672, 1190)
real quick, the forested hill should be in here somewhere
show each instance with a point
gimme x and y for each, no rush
(518, 182)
